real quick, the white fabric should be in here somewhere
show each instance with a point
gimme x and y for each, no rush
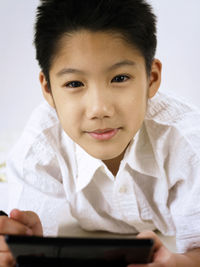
(156, 187)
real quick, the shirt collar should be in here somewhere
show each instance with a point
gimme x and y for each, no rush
(87, 166)
(140, 155)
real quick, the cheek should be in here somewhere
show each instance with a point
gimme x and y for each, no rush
(134, 111)
(135, 104)
(70, 118)
(69, 111)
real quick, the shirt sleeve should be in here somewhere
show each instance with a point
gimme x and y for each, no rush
(184, 198)
(35, 183)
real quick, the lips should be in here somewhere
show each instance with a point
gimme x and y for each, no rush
(103, 134)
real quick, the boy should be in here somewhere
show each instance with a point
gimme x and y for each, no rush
(122, 156)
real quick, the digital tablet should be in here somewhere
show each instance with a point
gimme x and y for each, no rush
(73, 251)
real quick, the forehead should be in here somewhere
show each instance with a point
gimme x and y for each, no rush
(102, 48)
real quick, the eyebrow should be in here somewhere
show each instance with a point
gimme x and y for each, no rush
(69, 71)
(113, 67)
(121, 64)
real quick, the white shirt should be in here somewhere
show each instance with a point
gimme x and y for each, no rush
(157, 185)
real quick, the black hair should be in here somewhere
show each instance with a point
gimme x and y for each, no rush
(133, 19)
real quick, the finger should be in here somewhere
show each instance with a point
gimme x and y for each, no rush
(145, 265)
(28, 218)
(3, 245)
(9, 226)
(6, 259)
(152, 235)
(153, 264)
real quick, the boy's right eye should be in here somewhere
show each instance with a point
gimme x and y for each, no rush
(74, 84)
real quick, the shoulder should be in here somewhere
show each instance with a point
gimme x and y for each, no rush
(43, 120)
(169, 118)
(167, 109)
(173, 128)
(34, 166)
(39, 144)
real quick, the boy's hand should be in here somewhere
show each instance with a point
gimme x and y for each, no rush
(162, 257)
(19, 223)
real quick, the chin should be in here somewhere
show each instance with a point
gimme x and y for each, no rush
(106, 155)
(105, 151)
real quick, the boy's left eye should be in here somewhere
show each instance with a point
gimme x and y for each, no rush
(120, 78)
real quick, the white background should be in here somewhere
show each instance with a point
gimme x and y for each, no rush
(178, 49)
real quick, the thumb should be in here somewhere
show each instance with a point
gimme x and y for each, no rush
(150, 234)
(28, 218)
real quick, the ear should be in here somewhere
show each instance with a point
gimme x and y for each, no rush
(155, 78)
(46, 90)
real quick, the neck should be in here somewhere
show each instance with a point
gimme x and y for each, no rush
(113, 164)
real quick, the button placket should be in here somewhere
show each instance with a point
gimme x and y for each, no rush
(127, 202)
(123, 189)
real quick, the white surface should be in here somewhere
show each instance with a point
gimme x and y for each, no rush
(178, 49)
(7, 139)
(3, 196)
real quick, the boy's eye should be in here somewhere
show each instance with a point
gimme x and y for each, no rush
(74, 84)
(120, 78)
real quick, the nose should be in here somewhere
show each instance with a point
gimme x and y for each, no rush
(100, 104)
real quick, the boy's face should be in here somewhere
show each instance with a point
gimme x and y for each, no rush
(100, 89)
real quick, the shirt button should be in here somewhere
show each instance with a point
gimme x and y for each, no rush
(123, 189)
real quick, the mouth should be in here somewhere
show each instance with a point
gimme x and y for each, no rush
(104, 134)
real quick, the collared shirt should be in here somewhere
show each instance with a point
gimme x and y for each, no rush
(157, 185)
